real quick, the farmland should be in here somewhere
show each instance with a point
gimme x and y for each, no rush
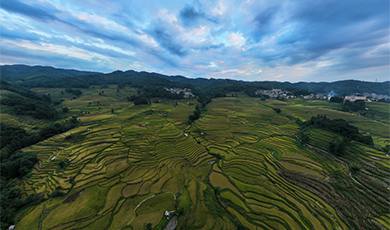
(239, 165)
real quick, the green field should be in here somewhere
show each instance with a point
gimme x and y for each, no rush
(139, 161)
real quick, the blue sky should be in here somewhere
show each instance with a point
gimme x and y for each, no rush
(300, 40)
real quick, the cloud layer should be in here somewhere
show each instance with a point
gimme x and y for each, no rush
(251, 40)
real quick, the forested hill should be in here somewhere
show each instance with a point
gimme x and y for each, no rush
(15, 73)
(38, 76)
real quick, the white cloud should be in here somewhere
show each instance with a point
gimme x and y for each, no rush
(166, 16)
(212, 65)
(218, 9)
(250, 40)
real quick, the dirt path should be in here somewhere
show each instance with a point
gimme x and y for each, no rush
(138, 207)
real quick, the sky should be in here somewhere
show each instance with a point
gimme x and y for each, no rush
(253, 40)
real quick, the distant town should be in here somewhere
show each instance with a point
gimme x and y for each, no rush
(187, 92)
(286, 94)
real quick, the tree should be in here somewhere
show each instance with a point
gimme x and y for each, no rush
(112, 110)
(332, 147)
(148, 226)
(277, 110)
(336, 99)
(65, 110)
(23, 171)
(76, 92)
(340, 148)
(337, 149)
(355, 106)
(61, 164)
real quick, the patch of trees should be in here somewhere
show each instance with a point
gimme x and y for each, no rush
(204, 100)
(250, 90)
(337, 149)
(384, 100)
(65, 82)
(299, 92)
(196, 115)
(14, 138)
(24, 92)
(339, 126)
(277, 110)
(76, 92)
(11, 203)
(138, 100)
(26, 106)
(214, 93)
(26, 102)
(355, 106)
(336, 99)
(149, 91)
(130, 78)
(57, 128)
(228, 85)
(18, 164)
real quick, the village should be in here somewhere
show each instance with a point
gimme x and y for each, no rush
(285, 94)
(187, 92)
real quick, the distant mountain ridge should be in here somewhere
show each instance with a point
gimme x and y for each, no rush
(46, 76)
(15, 73)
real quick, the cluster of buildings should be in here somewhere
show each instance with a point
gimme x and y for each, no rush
(376, 96)
(314, 96)
(355, 98)
(285, 94)
(187, 92)
(367, 97)
(276, 93)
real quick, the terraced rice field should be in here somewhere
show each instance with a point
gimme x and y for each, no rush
(237, 166)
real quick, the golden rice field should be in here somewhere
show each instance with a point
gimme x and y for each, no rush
(239, 166)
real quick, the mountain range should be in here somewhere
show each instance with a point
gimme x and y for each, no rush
(47, 76)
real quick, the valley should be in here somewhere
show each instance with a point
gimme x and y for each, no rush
(240, 165)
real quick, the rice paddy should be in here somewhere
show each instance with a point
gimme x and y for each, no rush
(237, 166)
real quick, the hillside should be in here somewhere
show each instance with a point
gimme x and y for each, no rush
(242, 164)
(14, 73)
(49, 77)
